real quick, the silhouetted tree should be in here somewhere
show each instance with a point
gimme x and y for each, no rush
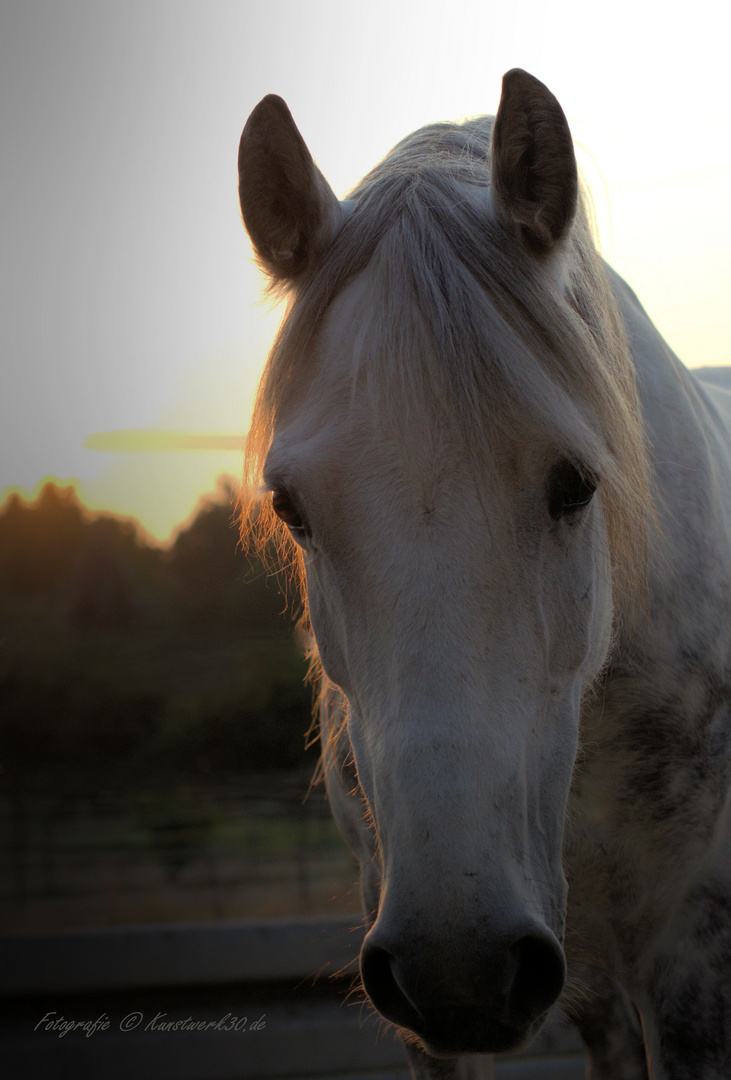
(114, 652)
(38, 543)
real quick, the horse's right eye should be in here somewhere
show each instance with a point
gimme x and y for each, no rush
(284, 507)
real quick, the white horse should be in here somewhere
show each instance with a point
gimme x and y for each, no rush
(511, 508)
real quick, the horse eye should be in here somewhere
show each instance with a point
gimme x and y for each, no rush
(285, 509)
(569, 490)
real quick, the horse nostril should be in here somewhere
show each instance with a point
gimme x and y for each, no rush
(379, 972)
(540, 971)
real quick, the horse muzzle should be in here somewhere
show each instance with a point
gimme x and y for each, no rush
(487, 998)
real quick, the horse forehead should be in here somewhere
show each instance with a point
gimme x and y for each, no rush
(336, 443)
(363, 418)
(347, 451)
(340, 434)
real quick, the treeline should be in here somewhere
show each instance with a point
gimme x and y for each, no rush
(120, 656)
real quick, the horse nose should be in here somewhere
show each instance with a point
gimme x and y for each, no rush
(488, 1002)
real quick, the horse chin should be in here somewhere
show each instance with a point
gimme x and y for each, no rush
(491, 1037)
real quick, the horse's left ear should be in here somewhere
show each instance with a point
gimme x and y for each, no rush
(289, 209)
(534, 175)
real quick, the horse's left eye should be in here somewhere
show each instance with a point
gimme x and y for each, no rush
(569, 490)
(284, 507)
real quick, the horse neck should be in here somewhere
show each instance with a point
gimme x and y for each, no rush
(690, 561)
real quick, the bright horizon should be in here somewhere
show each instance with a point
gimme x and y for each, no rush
(132, 301)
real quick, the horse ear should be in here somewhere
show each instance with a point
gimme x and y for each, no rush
(534, 175)
(289, 210)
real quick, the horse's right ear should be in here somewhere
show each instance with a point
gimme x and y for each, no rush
(288, 207)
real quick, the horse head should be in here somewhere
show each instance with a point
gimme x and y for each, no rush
(447, 433)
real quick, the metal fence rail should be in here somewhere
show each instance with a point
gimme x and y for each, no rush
(189, 852)
(225, 1001)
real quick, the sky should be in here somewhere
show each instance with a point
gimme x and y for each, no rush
(130, 300)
